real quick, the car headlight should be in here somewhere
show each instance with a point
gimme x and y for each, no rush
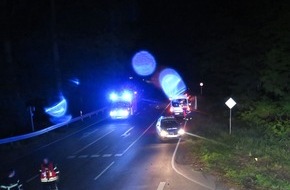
(181, 131)
(163, 133)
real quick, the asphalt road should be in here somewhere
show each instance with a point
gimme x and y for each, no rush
(106, 154)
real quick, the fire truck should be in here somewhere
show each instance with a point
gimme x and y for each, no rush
(123, 104)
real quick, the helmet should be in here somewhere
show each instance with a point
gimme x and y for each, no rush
(45, 160)
(11, 173)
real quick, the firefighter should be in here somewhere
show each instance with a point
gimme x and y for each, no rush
(49, 175)
(11, 181)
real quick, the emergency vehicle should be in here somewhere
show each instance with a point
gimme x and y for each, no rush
(180, 105)
(123, 104)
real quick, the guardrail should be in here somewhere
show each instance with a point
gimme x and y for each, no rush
(40, 132)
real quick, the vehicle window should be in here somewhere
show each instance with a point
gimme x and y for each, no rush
(169, 123)
(179, 102)
(120, 104)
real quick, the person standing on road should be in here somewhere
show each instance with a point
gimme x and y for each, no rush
(49, 175)
(11, 181)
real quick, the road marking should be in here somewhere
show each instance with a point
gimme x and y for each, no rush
(83, 156)
(88, 133)
(137, 138)
(98, 176)
(71, 157)
(92, 142)
(95, 156)
(161, 185)
(127, 133)
(107, 155)
(173, 166)
(118, 155)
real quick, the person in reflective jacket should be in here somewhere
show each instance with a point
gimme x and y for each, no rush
(11, 181)
(49, 175)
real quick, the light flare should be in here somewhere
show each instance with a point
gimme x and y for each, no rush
(57, 110)
(143, 63)
(171, 83)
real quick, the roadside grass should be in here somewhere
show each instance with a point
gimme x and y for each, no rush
(245, 159)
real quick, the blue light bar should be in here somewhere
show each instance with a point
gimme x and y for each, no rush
(127, 96)
(113, 96)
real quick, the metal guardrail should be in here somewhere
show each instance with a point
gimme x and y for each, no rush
(40, 132)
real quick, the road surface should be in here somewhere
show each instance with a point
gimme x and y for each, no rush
(100, 153)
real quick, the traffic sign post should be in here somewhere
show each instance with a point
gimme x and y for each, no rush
(230, 103)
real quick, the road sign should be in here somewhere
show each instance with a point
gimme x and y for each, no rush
(230, 103)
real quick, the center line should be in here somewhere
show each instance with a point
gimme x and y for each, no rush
(92, 142)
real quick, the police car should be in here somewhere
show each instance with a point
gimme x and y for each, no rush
(167, 127)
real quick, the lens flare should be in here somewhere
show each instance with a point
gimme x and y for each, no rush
(62, 119)
(57, 110)
(75, 81)
(171, 83)
(143, 63)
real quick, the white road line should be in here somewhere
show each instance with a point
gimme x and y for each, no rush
(95, 156)
(118, 155)
(98, 176)
(92, 142)
(161, 185)
(71, 157)
(107, 155)
(83, 156)
(173, 166)
(127, 133)
(88, 134)
(32, 178)
(138, 138)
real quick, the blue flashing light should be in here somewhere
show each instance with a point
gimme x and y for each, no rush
(127, 96)
(171, 83)
(57, 110)
(124, 96)
(143, 63)
(113, 96)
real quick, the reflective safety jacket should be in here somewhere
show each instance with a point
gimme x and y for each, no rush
(49, 173)
(12, 186)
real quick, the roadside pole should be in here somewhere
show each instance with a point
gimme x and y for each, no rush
(230, 103)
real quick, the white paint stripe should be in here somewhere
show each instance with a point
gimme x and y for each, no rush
(127, 132)
(32, 178)
(95, 156)
(92, 142)
(173, 166)
(118, 155)
(88, 134)
(138, 138)
(71, 157)
(107, 155)
(197, 136)
(98, 176)
(161, 185)
(83, 156)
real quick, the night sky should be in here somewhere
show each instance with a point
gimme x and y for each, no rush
(46, 43)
